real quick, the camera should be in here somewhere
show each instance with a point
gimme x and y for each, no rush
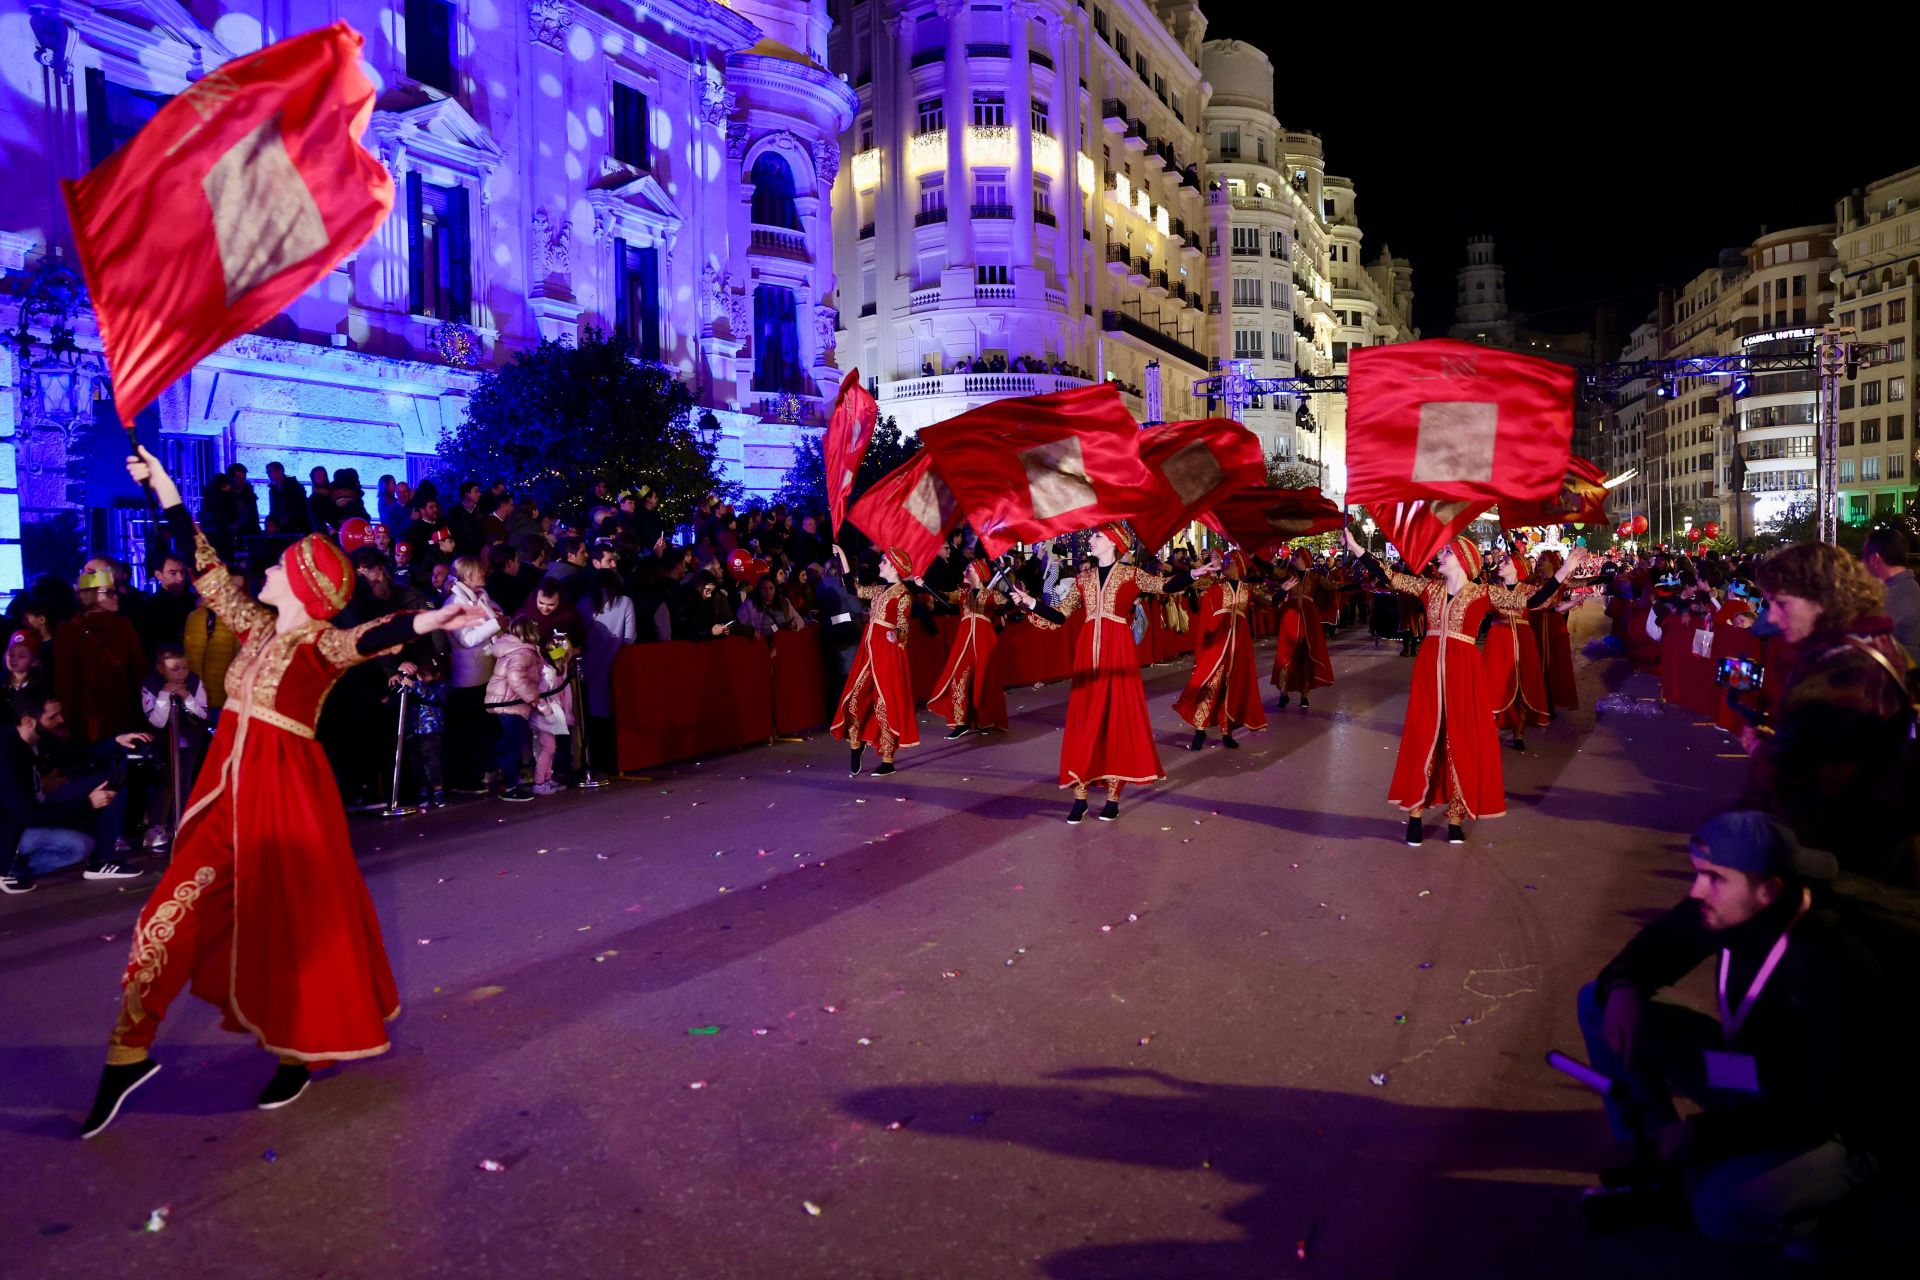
(1743, 675)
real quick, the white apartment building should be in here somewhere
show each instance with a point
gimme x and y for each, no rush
(1785, 299)
(1877, 239)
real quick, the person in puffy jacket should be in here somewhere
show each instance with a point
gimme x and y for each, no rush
(512, 691)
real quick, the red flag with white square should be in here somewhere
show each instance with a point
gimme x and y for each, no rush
(1582, 499)
(239, 195)
(1447, 420)
(1195, 465)
(1420, 528)
(849, 431)
(1027, 469)
(1258, 518)
(910, 508)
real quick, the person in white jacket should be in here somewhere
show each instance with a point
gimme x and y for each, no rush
(611, 627)
(470, 730)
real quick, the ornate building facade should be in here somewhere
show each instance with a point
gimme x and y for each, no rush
(663, 170)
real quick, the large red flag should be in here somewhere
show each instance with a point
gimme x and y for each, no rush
(1259, 518)
(1420, 528)
(1027, 469)
(1454, 420)
(235, 198)
(1582, 499)
(910, 508)
(845, 444)
(1195, 465)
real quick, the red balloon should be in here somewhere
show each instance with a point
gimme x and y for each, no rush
(1639, 524)
(1693, 534)
(355, 533)
(1713, 528)
(740, 562)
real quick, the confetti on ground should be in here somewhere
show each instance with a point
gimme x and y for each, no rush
(1426, 964)
(601, 857)
(949, 973)
(760, 1031)
(493, 1166)
(108, 937)
(1426, 893)
(696, 1084)
(424, 941)
(813, 1210)
(1399, 1018)
(703, 1031)
(1378, 1077)
(829, 1008)
(269, 1155)
(898, 1125)
(483, 993)
(1146, 1039)
(864, 1041)
(603, 956)
(157, 1220)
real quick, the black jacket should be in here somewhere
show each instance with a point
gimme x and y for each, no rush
(20, 803)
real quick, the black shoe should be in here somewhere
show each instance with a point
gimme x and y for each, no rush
(1304, 704)
(886, 767)
(1285, 698)
(18, 884)
(1199, 740)
(1109, 811)
(438, 801)
(958, 731)
(853, 765)
(111, 871)
(1076, 813)
(1226, 740)
(1414, 834)
(290, 1080)
(516, 794)
(115, 1084)
(1455, 835)
(1519, 744)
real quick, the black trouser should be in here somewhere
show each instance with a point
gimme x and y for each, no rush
(423, 763)
(471, 733)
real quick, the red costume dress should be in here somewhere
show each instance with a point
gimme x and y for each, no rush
(1109, 737)
(262, 908)
(1511, 665)
(1300, 660)
(876, 706)
(1449, 751)
(970, 691)
(1224, 690)
(1555, 643)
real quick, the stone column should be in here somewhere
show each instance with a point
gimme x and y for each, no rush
(958, 93)
(1030, 280)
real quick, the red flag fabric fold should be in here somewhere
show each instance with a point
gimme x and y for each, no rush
(1419, 529)
(1446, 420)
(911, 508)
(848, 433)
(1259, 518)
(1026, 469)
(1195, 466)
(235, 198)
(1582, 499)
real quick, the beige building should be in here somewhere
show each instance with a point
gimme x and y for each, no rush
(1877, 240)
(1784, 299)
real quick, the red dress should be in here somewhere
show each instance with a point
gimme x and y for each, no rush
(1449, 750)
(1511, 664)
(1555, 643)
(876, 706)
(970, 688)
(262, 907)
(1224, 691)
(1109, 737)
(1300, 660)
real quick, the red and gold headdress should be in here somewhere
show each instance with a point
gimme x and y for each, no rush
(900, 560)
(319, 574)
(1467, 552)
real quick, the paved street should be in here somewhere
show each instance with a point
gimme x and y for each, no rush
(955, 1037)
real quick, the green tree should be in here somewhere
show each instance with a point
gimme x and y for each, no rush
(804, 487)
(562, 415)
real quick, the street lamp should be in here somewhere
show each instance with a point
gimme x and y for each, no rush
(1371, 529)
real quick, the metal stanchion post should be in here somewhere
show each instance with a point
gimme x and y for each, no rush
(587, 778)
(176, 783)
(394, 808)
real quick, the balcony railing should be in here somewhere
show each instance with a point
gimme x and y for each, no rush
(993, 212)
(780, 242)
(1114, 113)
(927, 57)
(866, 231)
(1246, 251)
(1043, 217)
(1120, 322)
(989, 51)
(1142, 268)
(1039, 59)
(927, 217)
(993, 292)
(1277, 253)
(869, 308)
(924, 299)
(976, 384)
(1159, 279)
(1117, 252)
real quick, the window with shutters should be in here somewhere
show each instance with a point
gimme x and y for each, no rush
(115, 113)
(931, 116)
(429, 41)
(439, 250)
(631, 136)
(637, 296)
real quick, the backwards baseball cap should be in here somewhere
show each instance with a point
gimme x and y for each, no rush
(1750, 841)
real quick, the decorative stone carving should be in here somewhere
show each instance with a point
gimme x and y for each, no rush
(736, 139)
(949, 9)
(54, 49)
(826, 321)
(555, 244)
(717, 103)
(826, 161)
(551, 20)
(719, 299)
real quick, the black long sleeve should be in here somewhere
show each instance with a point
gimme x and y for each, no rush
(1544, 594)
(180, 528)
(1372, 568)
(395, 630)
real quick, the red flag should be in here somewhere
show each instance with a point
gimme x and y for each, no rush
(1259, 518)
(1453, 420)
(910, 508)
(1419, 529)
(234, 199)
(1030, 468)
(848, 433)
(1195, 465)
(1582, 499)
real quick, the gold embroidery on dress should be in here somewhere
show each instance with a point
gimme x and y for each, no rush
(224, 593)
(148, 955)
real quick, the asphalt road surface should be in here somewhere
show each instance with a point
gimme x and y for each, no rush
(752, 1018)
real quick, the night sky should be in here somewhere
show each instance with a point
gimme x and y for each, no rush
(1602, 175)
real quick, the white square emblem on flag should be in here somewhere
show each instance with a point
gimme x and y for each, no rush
(1456, 441)
(1193, 472)
(930, 502)
(1057, 478)
(264, 218)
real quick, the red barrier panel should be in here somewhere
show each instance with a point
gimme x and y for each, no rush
(1036, 656)
(1771, 653)
(1686, 678)
(801, 700)
(927, 654)
(690, 698)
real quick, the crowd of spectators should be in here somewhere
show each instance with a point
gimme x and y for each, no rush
(998, 363)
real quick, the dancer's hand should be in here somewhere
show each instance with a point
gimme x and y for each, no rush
(1353, 543)
(1021, 597)
(451, 616)
(146, 469)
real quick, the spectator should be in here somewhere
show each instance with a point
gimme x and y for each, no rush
(403, 564)
(39, 835)
(571, 558)
(98, 662)
(320, 518)
(840, 623)
(806, 546)
(1802, 1101)
(610, 628)
(504, 581)
(210, 646)
(246, 503)
(766, 611)
(465, 519)
(220, 515)
(164, 615)
(649, 526)
(172, 683)
(493, 524)
(472, 666)
(653, 589)
(553, 613)
(23, 665)
(703, 610)
(423, 530)
(522, 521)
(396, 508)
(348, 498)
(426, 684)
(286, 502)
(1887, 557)
(1827, 766)
(512, 690)
(439, 581)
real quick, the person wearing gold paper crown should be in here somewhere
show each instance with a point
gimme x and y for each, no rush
(876, 706)
(970, 693)
(1224, 690)
(263, 909)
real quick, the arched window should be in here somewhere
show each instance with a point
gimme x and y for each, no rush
(773, 194)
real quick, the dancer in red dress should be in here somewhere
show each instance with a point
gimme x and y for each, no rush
(1512, 666)
(1109, 737)
(1553, 639)
(1300, 660)
(263, 909)
(970, 693)
(1224, 691)
(1449, 751)
(876, 706)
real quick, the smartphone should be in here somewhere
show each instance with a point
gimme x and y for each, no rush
(1741, 674)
